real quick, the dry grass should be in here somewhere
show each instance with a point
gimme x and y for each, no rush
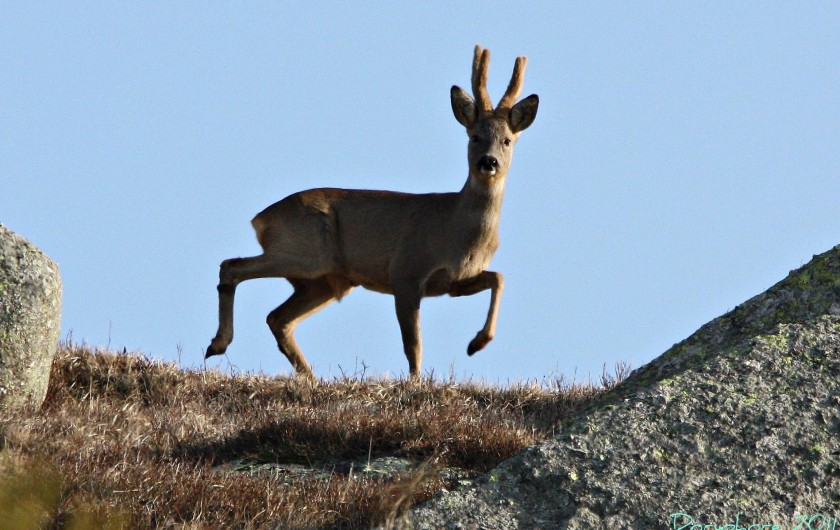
(126, 442)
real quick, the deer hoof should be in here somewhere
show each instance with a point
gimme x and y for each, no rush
(479, 342)
(307, 377)
(211, 351)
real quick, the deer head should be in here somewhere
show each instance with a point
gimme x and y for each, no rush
(492, 132)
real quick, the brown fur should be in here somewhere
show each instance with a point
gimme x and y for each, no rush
(326, 241)
(481, 63)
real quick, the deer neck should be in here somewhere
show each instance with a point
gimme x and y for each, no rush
(481, 203)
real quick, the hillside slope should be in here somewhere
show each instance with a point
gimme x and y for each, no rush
(738, 424)
(126, 442)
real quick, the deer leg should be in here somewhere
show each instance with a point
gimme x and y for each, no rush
(407, 301)
(231, 273)
(224, 335)
(486, 280)
(309, 297)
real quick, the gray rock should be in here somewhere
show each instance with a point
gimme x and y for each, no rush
(30, 320)
(737, 425)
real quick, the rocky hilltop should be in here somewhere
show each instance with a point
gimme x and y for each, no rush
(737, 425)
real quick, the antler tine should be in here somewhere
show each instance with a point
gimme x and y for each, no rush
(481, 61)
(515, 86)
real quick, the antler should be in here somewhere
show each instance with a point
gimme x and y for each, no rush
(481, 61)
(515, 86)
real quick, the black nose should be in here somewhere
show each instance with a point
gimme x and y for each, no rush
(488, 163)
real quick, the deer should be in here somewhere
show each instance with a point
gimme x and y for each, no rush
(327, 241)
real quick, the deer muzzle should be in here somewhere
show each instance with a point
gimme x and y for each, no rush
(488, 165)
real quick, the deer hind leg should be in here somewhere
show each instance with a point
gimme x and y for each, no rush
(309, 297)
(486, 280)
(232, 272)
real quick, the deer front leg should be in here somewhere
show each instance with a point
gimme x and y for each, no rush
(486, 280)
(407, 301)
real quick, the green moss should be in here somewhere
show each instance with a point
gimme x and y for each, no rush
(820, 272)
(802, 280)
(778, 341)
(787, 359)
(666, 383)
(818, 448)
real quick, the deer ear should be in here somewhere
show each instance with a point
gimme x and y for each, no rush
(463, 106)
(523, 113)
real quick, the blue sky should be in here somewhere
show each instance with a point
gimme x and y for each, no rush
(685, 158)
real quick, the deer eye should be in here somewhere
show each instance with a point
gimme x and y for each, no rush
(474, 138)
(506, 141)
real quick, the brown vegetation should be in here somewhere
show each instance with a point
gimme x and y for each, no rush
(123, 441)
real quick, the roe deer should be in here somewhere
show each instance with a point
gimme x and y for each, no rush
(327, 241)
